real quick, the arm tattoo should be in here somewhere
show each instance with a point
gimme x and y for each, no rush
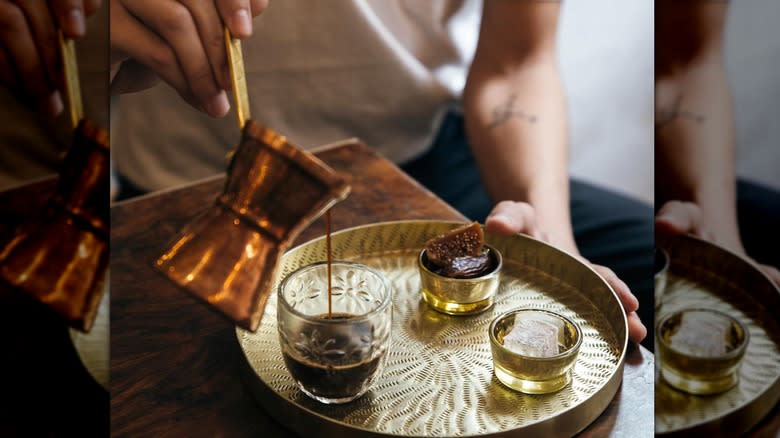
(666, 116)
(502, 113)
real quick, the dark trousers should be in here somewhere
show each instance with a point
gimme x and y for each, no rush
(610, 229)
(758, 213)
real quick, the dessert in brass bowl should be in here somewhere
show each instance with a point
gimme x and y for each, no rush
(701, 350)
(334, 344)
(459, 273)
(534, 350)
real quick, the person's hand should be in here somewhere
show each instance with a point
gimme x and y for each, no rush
(509, 217)
(678, 217)
(30, 63)
(181, 42)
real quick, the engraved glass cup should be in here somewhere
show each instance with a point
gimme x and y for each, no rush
(334, 356)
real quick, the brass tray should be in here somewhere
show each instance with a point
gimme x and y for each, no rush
(93, 347)
(438, 378)
(704, 275)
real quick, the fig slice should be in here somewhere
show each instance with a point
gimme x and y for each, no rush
(464, 241)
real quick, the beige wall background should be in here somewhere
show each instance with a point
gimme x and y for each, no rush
(606, 56)
(604, 48)
(753, 63)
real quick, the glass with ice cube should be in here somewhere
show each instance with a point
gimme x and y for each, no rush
(701, 350)
(534, 350)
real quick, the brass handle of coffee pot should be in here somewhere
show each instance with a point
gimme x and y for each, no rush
(237, 78)
(72, 86)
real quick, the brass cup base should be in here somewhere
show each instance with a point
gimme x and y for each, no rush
(698, 386)
(453, 308)
(532, 386)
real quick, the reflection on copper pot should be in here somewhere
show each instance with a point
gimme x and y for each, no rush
(61, 256)
(227, 256)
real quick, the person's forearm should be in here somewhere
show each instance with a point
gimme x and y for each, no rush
(695, 149)
(694, 135)
(516, 125)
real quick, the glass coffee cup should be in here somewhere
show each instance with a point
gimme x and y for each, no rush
(335, 353)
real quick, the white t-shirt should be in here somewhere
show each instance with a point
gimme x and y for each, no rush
(384, 71)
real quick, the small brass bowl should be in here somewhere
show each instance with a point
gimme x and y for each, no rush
(529, 374)
(460, 296)
(695, 372)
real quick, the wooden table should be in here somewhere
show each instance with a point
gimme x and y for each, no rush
(175, 364)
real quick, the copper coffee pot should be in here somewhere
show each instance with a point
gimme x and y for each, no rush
(228, 255)
(61, 256)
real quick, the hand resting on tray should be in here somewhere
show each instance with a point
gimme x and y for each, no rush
(519, 217)
(677, 217)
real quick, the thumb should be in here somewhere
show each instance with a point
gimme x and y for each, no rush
(509, 217)
(677, 217)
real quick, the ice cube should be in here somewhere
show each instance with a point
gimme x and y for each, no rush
(535, 335)
(702, 334)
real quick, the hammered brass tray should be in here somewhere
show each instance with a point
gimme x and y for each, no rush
(438, 379)
(93, 347)
(704, 275)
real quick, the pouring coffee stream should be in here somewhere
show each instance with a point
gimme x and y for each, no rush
(227, 256)
(330, 264)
